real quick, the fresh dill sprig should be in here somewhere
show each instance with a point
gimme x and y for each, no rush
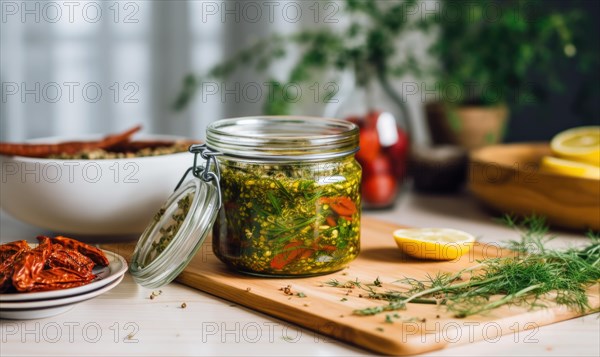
(533, 231)
(346, 285)
(275, 202)
(538, 274)
(395, 298)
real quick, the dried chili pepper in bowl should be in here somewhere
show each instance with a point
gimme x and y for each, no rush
(76, 186)
(69, 147)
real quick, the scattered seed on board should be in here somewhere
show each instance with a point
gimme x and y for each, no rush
(155, 294)
(287, 290)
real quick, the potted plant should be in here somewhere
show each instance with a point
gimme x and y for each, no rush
(367, 48)
(488, 51)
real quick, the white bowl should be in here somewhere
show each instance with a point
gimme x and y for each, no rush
(90, 197)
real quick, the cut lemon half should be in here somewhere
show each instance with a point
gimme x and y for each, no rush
(434, 243)
(569, 168)
(578, 144)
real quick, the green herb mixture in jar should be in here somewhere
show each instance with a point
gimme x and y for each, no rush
(289, 219)
(290, 189)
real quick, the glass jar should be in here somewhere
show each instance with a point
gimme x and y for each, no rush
(290, 190)
(385, 134)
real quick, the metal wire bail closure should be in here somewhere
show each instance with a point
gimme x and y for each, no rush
(203, 172)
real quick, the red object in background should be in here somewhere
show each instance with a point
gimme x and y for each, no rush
(379, 165)
(379, 185)
(369, 145)
(383, 166)
(379, 191)
(398, 154)
(371, 119)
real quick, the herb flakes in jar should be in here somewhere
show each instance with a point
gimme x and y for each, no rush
(289, 219)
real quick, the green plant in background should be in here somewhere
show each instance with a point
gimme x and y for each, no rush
(490, 50)
(367, 46)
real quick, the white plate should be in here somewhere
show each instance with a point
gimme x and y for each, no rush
(105, 275)
(45, 308)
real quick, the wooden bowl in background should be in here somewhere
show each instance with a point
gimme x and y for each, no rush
(507, 178)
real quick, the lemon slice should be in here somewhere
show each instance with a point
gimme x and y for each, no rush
(569, 168)
(578, 144)
(434, 243)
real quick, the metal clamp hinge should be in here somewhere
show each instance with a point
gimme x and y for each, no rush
(204, 172)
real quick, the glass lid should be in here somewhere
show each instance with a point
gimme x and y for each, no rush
(176, 233)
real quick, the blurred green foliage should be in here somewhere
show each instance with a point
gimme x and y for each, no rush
(489, 50)
(367, 46)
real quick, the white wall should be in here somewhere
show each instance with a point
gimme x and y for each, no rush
(56, 56)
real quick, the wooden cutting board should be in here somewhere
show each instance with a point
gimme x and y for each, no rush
(327, 310)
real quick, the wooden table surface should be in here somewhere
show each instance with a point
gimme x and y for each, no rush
(125, 321)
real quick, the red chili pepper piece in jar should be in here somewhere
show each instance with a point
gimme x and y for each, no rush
(343, 206)
(331, 221)
(290, 252)
(328, 248)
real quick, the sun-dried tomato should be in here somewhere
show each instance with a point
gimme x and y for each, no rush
(30, 265)
(9, 254)
(95, 254)
(56, 263)
(62, 257)
(59, 278)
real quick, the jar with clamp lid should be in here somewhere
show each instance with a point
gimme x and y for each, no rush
(283, 193)
(291, 194)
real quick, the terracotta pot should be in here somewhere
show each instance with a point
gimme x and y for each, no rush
(467, 126)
